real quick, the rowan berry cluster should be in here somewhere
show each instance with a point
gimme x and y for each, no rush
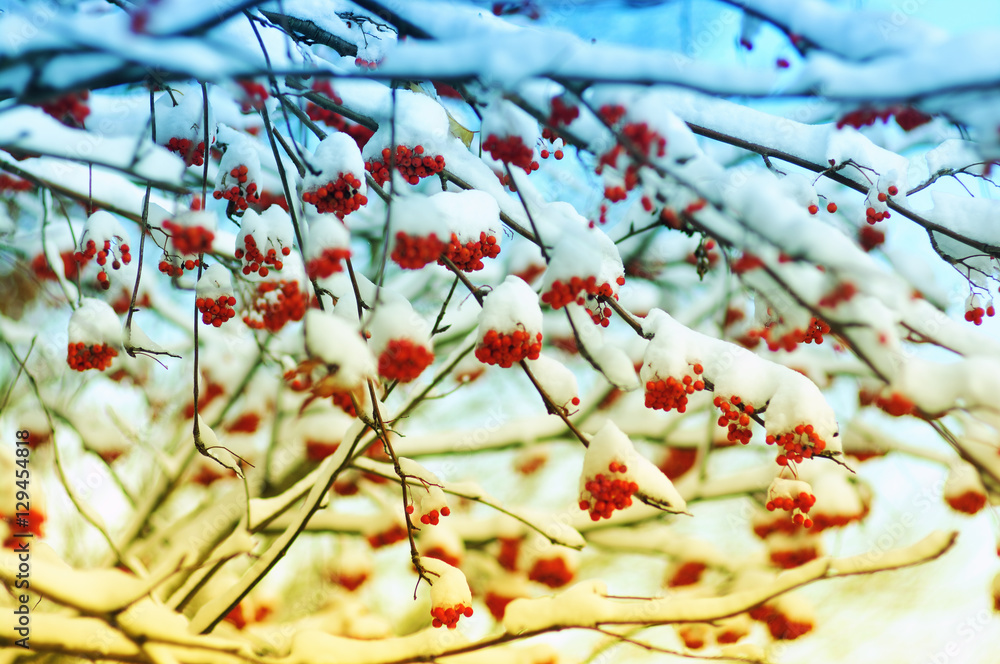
(611, 113)
(678, 461)
(869, 237)
(255, 96)
(327, 263)
(907, 117)
(468, 257)
(81, 356)
(239, 195)
(193, 155)
(448, 616)
(603, 494)
(70, 109)
(189, 239)
(341, 197)
(974, 314)
(431, 518)
(842, 293)
(274, 305)
(90, 251)
(395, 533)
(255, 261)
(412, 163)
(11, 183)
(562, 293)
(736, 418)
(412, 252)
(745, 263)
(830, 207)
(687, 574)
(552, 572)
(216, 311)
(781, 626)
(350, 581)
(802, 443)
(562, 113)
(969, 502)
(173, 267)
(507, 350)
(670, 393)
(791, 558)
(800, 505)
(894, 404)
(404, 360)
(511, 150)
(812, 334)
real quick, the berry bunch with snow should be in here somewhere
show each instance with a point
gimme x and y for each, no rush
(799, 421)
(584, 265)
(94, 336)
(963, 490)
(735, 417)
(70, 109)
(99, 231)
(473, 220)
(215, 299)
(191, 235)
(335, 346)
(613, 472)
(239, 177)
(794, 496)
(667, 375)
(180, 124)
(264, 241)
(428, 501)
(510, 324)
(327, 247)
(420, 122)
(974, 309)
(510, 135)
(451, 598)
(339, 186)
(401, 340)
(419, 232)
(876, 203)
(277, 299)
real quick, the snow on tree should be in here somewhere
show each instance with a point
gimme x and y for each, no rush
(360, 296)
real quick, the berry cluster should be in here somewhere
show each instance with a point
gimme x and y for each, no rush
(275, 304)
(218, 311)
(781, 626)
(189, 239)
(412, 252)
(736, 418)
(90, 251)
(173, 267)
(194, 155)
(673, 393)
(789, 559)
(508, 349)
(869, 237)
(267, 199)
(602, 495)
(687, 574)
(552, 572)
(239, 195)
(11, 183)
(643, 139)
(319, 114)
(365, 64)
(404, 360)
(969, 502)
(800, 505)
(830, 207)
(842, 293)
(907, 117)
(449, 616)
(469, 257)
(602, 315)
(802, 443)
(611, 113)
(444, 556)
(560, 294)
(497, 604)
(431, 518)
(678, 461)
(511, 150)
(70, 109)
(328, 263)
(974, 314)
(256, 95)
(255, 261)
(396, 533)
(895, 404)
(562, 114)
(81, 357)
(413, 164)
(350, 581)
(340, 197)
(812, 334)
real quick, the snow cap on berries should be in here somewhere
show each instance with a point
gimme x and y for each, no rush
(102, 226)
(335, 155)
(95, 322)
(611, 445)
(259, 235)
(338, 343)
(469, 213)
(401, 340)
(420, 120)
(964, 490)
(327, 246)
(215, 282)
(449, 591)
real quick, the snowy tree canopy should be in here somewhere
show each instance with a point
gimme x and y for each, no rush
(359, 331)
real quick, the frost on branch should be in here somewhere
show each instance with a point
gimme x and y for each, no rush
(340, 185)
(613, 471)
(510, 324)
(94, 336)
